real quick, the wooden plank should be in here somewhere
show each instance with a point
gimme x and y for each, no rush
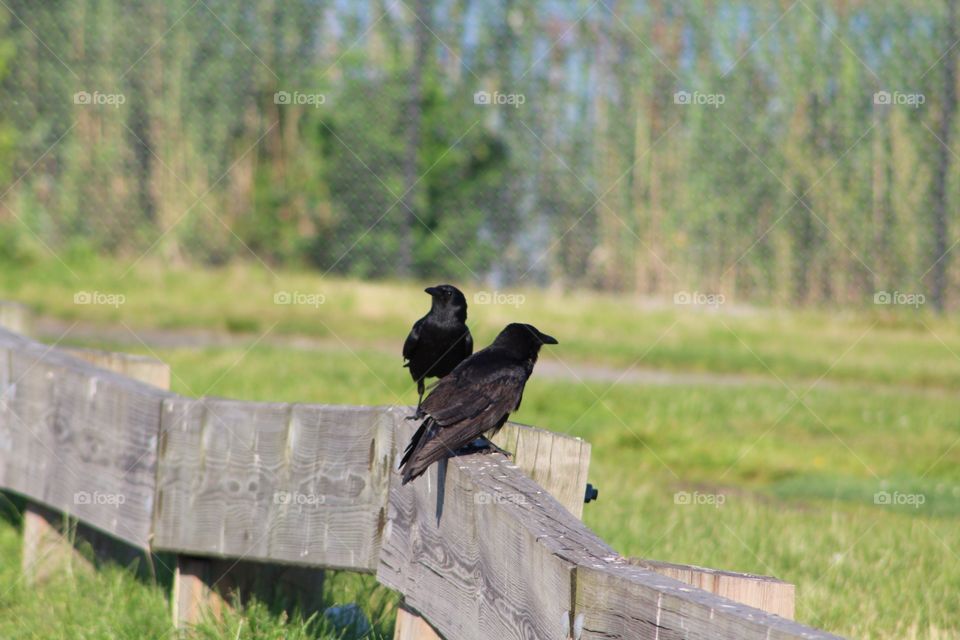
(761, 592)
(624, 601)
(79, 439)
(8, 342)
(557, 462)
(507, 561)
(142, 368)
(51, 545)
(301, 484)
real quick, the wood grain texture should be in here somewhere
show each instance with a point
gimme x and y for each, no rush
(496, 566)
(623, 601)
(302, 484)
(557, 462)
(761, 592)
(49, 546)
(78, 438)
(507, 561)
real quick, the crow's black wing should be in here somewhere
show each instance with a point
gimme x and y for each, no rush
(483, 382)
(413, 338)
(468, 343)
(475, 398)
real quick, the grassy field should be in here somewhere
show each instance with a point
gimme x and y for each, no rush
(801, 420)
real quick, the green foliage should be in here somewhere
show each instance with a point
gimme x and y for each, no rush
(797, 188)
(8, 134)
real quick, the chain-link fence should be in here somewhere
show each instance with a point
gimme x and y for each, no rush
(782, 151)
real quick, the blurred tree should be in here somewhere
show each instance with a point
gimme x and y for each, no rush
(799, 187)
(948, 107)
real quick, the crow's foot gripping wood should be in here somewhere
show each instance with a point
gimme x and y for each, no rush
(417, 415)
(482, 445)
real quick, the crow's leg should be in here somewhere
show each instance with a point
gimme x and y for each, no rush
(492, 448)
(417, 415)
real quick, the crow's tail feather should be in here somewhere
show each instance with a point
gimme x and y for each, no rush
(416, 442)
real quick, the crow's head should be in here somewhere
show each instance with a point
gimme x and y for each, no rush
(447, 297)
(524, 340)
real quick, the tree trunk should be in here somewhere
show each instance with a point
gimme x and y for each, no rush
(414, 117)
(939, 270)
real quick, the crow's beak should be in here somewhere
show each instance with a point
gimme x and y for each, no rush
(433, 291)
(545, 339)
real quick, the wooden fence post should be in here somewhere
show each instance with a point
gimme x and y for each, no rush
(194, 593)
(410, 626)
(209, 586)
(47, 545)
(557, 462)
(15, 317)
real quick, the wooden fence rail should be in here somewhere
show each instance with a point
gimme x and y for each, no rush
(486, 553)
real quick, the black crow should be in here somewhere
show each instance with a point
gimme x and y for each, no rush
(475, 398)
(440, 340)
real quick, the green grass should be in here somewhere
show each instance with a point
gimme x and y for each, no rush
(118, 602)
(797, 464)
(889, 345)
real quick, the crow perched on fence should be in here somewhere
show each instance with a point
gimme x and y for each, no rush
(440, 340)
(475, 398)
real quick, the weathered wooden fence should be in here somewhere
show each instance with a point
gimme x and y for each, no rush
(495, 550)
